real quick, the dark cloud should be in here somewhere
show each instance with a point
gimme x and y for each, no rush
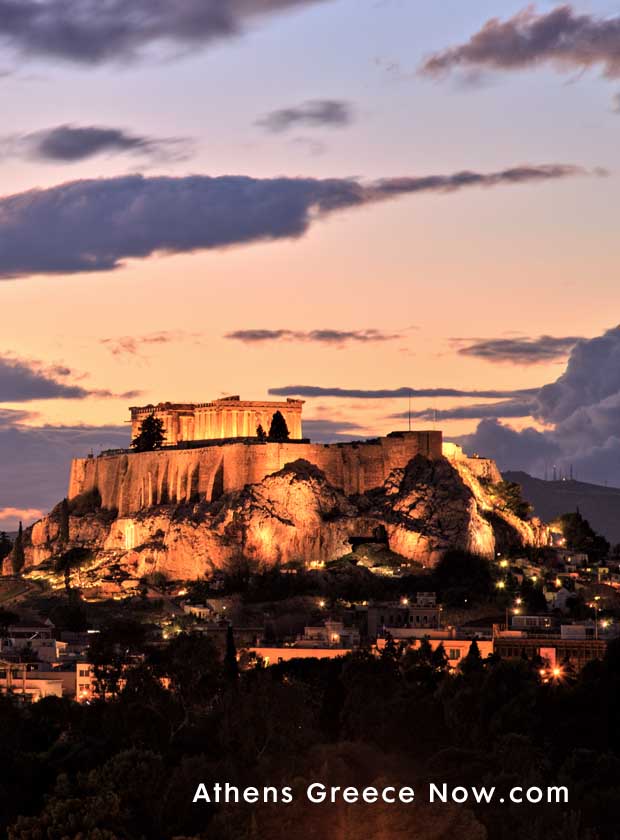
(332, 431)
(521, 351)
(70, 143)
(95, 31)
(561, 36)
(35, 461)
(94, 225)
(582, 411)
(393, 393)
(316, 113)
(338, 337)
(592, 375)
(506, 408)
(11, 416)
(133, 345)
(22, 380)
(529, 449)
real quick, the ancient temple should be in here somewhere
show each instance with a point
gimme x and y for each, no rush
(229, 417)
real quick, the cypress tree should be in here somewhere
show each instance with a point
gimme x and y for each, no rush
(278, 429)
(231, 666)
(18, 551)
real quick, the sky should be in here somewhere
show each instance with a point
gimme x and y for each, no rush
(374, 205)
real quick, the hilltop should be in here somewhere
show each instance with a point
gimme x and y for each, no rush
(600, 505)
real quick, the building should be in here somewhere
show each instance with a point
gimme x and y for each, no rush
(554, 650)
(329, 634)
(391, 617)
(229, 417)
(23, 680)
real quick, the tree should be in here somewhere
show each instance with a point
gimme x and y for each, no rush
(64, 521)
(508, 496)
(261, 434)
(70, 560)
(472, 663)
(151, 435)
(18, 551)
(580, 536)
(231, 666)
(5, 545)
(278, 429)
(6, 619)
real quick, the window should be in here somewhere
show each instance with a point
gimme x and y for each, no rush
(454, 653)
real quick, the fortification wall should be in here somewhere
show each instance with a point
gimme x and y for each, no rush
(134, 481)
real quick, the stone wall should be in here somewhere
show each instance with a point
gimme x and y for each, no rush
(132, 481)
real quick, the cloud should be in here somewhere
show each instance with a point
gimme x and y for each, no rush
(10, 416)
(521, 351)
(70, 143)
(562, 37)
(393, 393)
(36, 460)
(506, 408)
(331, 337)
(93, 32)
(332, 431)
(23, 380)
(591, 376)
(316, 113)
(582, 409)
(132, 345)
(528, 450)
(10, 515)
(94, 225)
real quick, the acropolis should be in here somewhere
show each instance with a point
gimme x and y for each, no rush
(228, 417)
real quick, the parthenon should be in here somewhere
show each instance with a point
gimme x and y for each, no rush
(229, 417)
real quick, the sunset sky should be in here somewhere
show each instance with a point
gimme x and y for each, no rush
(339, 264)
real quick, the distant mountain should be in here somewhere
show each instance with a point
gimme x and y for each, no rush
(599, 505)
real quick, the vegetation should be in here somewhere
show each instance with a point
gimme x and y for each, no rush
(5, 545)
(508, 496)
(261, 434)
(581, 537)
(151, 435)
(126, 767)
(278, 431)
(18, 551)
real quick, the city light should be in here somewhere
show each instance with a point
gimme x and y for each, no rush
(500, 584)
(404, 601)
(503, 564)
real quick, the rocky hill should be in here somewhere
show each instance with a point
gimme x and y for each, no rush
(600, 505)
(420, 511)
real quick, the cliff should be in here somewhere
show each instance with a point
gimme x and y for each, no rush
(134, 481)
(295, 514)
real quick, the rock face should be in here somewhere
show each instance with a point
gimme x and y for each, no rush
(421, 511)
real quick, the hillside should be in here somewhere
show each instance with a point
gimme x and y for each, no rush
(294, 514)
(600, 505)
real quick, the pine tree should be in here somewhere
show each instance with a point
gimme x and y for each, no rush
(18, 551)
(278, 429)
(261, 434)
(151, 435)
